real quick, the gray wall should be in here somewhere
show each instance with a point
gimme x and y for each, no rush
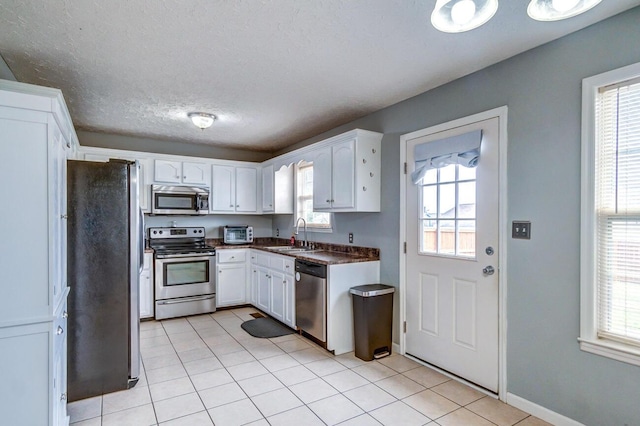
(542, 89)
(132, 143)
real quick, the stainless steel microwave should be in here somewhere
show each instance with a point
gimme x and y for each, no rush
(185, 200)
(237, 234)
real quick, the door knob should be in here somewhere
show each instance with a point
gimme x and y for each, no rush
(489, 270)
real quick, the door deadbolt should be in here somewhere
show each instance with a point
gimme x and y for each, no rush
(489, 251)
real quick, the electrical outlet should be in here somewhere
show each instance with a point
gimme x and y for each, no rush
(351, 237)
(521, 229)
(277, 232)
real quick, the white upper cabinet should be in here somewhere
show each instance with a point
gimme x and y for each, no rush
(268, 203)
(182, 172)
(234, 189)
(346, 173)
(277, 189)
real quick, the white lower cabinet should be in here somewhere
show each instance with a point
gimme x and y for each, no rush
(272, 284)
(231, 277)
(146, 287)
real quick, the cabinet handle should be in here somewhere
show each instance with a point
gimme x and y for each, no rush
(220, 272)
(60, 330)
(184, 177)
(364, 161)
(371, 174)
(328, 201)
(364, 188)
(332, 200)
(373, 150)
(65, 315)
(230, 205)
(237, 205)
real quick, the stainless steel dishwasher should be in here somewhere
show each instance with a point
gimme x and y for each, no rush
(311, 299)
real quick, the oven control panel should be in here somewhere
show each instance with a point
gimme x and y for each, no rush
(174, 232)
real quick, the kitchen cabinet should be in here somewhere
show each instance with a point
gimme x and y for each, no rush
(182, 172)
(231, 277)
(144, 186)
(234, 189)
(273, 285)
(277, 189)
(346, 173)
(38, 137)
(147, 301)
(340, 279)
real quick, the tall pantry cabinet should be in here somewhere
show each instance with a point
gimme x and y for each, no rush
(36, 138)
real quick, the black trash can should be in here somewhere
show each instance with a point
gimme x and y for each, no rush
(372, 320)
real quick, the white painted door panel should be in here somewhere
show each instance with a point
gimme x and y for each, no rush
(451, 305)
(196, 173)
(223, 189)
(343, 175)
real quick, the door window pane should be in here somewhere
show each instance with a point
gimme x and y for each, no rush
(448, 212)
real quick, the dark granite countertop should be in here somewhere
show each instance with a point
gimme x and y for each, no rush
(323, 253)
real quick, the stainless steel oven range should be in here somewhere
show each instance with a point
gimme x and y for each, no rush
(184, 272)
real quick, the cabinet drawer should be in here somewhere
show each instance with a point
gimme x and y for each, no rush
(262, 259)
(231, 256)
(282, 264)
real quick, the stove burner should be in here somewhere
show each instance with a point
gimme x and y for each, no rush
(170, 242)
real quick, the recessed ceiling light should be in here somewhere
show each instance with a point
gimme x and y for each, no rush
(456, 16)
(202, 119)
(555, 10)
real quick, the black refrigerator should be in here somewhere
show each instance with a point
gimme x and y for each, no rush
(105, 240)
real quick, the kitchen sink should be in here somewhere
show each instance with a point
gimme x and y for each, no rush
(290, 249)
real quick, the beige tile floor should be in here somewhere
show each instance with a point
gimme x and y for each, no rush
(206, 370)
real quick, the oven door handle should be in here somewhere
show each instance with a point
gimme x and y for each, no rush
(185, 299)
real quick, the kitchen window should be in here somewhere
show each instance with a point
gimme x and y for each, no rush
(316, 221)
(610, 228)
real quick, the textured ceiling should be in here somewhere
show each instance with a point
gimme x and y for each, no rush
(275, 72)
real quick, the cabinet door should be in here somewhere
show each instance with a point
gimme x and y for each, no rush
(146, 295)
(264, 289)
(223, 189)
(343, 175)
(278, 286)
(58, 207)
(231, 284)
(322, 179)
(254, 286)
(246, 189)
(168, 171)
(290, 301)
(267, 189)
(196, 173)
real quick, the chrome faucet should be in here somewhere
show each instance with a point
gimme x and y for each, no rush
(305, 229)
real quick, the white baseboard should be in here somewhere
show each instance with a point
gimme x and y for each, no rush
(540, 412)
(395, 348)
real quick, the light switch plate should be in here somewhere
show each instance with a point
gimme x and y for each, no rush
(521, 229)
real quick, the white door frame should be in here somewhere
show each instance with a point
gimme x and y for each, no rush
(501, 113)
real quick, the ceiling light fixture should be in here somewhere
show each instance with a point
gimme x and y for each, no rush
(202, 119)
(555, 10)
(456, 16)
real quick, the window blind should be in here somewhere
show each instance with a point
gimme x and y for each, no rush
(617, 208)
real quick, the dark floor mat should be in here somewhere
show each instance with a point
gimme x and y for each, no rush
(265, 328)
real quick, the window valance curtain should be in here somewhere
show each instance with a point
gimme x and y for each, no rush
(462, 149)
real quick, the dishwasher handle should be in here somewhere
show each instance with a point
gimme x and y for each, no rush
(311, 268)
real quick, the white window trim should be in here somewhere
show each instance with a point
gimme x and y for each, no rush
(310, 227)
(589, 341)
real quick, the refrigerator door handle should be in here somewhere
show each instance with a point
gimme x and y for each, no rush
(141, 241)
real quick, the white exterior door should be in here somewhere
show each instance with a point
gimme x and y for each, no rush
(452, 236)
